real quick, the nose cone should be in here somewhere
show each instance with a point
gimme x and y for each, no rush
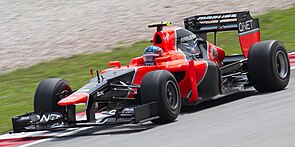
(74, 98)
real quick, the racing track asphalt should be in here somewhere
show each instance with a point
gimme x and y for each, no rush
(246, 119)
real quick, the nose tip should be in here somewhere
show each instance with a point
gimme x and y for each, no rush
(74, 98)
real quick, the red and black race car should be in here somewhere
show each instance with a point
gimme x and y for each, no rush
(180, 68)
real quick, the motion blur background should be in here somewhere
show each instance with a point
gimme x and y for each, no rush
(34, 31)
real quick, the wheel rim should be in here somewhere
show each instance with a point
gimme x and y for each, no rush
(172, 95)
(281, 64)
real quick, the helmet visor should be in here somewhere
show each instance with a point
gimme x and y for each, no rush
(149, 59)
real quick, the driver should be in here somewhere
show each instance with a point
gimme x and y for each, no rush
(150, 54)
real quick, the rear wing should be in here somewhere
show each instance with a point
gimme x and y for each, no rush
(247, 27)
(241, 21)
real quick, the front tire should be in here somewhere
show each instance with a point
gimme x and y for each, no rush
(268, 66)
(160, 86)
(46, 97)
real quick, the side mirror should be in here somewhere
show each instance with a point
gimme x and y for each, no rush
(115, 63)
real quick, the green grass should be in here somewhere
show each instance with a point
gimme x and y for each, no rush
(18, 87)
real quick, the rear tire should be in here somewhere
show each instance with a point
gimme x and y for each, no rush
(268, 66)
(160, 86)
(46, 97)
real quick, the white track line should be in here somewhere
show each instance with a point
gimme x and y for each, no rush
(59, 135)
(67, 132)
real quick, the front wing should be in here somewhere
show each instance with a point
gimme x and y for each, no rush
(55, 120)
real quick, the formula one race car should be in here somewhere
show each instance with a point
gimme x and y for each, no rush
(180, 68)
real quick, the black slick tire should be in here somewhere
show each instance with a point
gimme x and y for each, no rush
(46, 97)
(268, 66)
(160, 86)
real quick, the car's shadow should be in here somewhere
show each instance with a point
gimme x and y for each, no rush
(135, 128)
(220, 101)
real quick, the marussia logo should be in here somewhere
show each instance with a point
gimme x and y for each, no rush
(211, 17)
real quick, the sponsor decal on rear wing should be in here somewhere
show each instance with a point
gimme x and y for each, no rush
(241, 21)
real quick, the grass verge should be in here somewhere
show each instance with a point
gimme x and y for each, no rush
(17, 87)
